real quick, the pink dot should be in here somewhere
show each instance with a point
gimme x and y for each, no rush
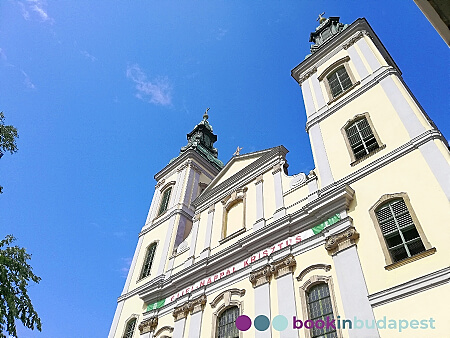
(243, 323)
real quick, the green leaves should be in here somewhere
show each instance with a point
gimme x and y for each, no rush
(15, 274)
(8, 135)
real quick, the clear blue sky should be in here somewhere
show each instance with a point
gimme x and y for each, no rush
(103, 94)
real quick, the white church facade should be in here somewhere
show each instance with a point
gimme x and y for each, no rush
(362, 235)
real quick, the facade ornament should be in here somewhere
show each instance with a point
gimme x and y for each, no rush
(276, 168)
(226, 296)
(148, 325)
(164, 328)
(237, 152)
(303, 77)
(354, 38)
(341, 241)
(259, 179)
(197, 304)
(160, 183)
(261, 276)
(283, 266)
(321, 18)
(310, 268)
(181, 312)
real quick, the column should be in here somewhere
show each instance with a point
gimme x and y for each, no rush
(357, 62)
(320, 155)
(260, 220)
(188, 189)
(165, 249)
(194, 233)
(179, 314)
(180, 182)
(280, 211)
(317, 92)
(283, 271)
(196, 310)
(195, 183)
(352, 285)
(260, 280)
(209, 226)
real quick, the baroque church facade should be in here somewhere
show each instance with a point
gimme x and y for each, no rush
(361, 236)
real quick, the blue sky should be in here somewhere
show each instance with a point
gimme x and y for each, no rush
(103, 94)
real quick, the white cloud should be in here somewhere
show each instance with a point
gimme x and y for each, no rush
(27, 81)
(157, 91)
(3, 55)
(126, 263)
(35, 6)
(88, 56)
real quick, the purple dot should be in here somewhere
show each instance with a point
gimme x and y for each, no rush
(243, 323)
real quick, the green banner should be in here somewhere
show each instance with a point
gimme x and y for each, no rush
(156, 305)
(334, 219)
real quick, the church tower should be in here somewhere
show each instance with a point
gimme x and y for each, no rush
(169, 222)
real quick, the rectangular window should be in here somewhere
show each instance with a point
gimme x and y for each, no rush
(361, 138)
(339, 81)
(319, 308)
(164, 201)
(148, 260)
(399, 231)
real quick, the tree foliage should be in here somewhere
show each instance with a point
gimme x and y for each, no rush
(15, 274)
(8, 135)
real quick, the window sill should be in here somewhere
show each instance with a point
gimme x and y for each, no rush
(334, 99)
(233, 235)
(410, 259)
(368, 155)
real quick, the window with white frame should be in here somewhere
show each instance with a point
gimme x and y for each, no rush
(339, 81)
(149, 256)
(318, 300)
(164, 204)
(129, 328)
(361, 138)
(226, 327)
(398, 229)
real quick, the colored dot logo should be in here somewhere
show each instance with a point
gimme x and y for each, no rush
(261, 323)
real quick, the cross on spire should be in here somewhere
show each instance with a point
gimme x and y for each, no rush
(205, 115)
(321, 18)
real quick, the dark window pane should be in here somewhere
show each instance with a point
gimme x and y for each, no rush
(165, 201)
(130, 328)
(226, 327)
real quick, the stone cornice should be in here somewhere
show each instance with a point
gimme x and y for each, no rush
(354, 38)
(261, 276)
(341, 241)
(148, 325)
(188, 213)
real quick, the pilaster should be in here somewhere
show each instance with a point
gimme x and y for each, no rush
(280, 211)
(260, 220)
(260, 280)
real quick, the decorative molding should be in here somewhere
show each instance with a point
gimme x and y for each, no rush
(148, 325)
(276, 168)
(341, 241)
(261, 276)
(237, 196)
(197, 305)
(227, 295)
(355, 37)
(181, 312)
(164, 328)
(160, 183)
(310, 268)
(283, 266)
(411, 287)
(196, 217)
(303, 77)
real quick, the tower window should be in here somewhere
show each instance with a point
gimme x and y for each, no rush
(361, 138)
(319, 308)
(129, 329)
(148, 260)
(226, 327)
(339, 81)
(164, 201)
(398, 229)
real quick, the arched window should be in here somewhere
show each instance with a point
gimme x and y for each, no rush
(129, 328)
(339, 81)
(319, 308)
(226, 327)
(398, 229)
(150, 254)
(164, 204)
(361, 138)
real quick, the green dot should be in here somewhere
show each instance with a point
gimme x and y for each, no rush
(280, 323)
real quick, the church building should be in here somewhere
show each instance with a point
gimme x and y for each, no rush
(360, 239)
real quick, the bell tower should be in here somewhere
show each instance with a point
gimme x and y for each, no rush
(166, 233)
(359, 110)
